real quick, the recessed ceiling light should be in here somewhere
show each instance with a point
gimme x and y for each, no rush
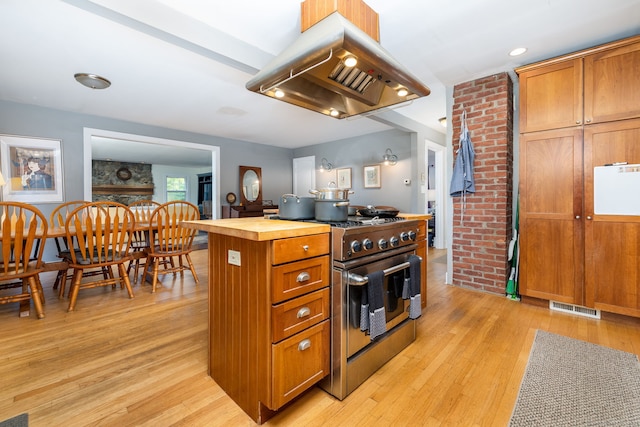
(279, 93)
(334, 113)
(518, 51)
(350, 61)
(92, 81)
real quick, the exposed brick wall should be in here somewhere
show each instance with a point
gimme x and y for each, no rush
(481, 239)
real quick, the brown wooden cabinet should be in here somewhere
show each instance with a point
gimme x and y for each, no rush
(269, 328)
(612, 242)
(246, 211)
(551, 237)
(551, 96)
(588, 87)
(578, 112)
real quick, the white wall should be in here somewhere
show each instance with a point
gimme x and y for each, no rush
(160, 173)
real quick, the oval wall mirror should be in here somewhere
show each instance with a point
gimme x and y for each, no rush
(251, 185)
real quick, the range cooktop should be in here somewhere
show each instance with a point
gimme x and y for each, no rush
(352, 221)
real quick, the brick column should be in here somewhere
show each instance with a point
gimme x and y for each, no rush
(481, 240)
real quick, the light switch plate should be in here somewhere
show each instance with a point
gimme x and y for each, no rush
(233, 257)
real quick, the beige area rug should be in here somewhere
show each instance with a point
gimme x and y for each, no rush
(570, 382)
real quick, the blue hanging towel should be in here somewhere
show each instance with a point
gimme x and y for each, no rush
(462, 181)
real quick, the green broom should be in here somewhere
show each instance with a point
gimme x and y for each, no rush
(514, 258)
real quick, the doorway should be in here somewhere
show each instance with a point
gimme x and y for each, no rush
(435, 190)
(304, 175)
(136, 143)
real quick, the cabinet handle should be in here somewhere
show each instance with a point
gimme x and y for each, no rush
(588, 120)
(303, 312)
(588, 217)
(577, 216)
(304, 345)
(305, 247)
(303, 277)
(577, 122)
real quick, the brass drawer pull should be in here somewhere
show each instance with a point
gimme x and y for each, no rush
(304, 345)
(303, 277)
(303, 312)
(305, 247)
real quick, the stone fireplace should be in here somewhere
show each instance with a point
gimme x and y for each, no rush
(121, 182)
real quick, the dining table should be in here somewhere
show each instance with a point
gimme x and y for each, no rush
(61, 232)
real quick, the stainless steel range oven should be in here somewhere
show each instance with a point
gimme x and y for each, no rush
(360, 248)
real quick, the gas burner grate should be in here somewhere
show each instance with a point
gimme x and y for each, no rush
(345, 224)
(362, 221)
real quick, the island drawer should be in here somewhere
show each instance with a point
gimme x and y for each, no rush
(299, 362)
(296, 248)
(297, 278)
(293, 316)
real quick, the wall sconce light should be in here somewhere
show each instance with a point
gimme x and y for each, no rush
(443, 121)
(389, 158)
(325, 165)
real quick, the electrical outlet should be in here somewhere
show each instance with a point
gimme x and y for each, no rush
(233, 257)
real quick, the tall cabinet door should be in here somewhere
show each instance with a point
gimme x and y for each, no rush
(552, 240)
(612, 242)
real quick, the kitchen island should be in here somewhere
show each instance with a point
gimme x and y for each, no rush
(269, 331)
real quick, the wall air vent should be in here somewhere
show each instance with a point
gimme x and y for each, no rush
(574, 309)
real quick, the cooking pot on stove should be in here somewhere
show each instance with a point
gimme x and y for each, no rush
(353, 209)
(379, 211)
(331, 210)
(294, 207)
(332, 193)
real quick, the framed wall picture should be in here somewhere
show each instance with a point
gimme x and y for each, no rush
(344, 178)
(32, 168)
(372, 176)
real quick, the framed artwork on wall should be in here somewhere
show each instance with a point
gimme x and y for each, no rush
(32, 168)
(372, 176)
(344, 178)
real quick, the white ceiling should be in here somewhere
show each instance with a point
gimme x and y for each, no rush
(183, 64)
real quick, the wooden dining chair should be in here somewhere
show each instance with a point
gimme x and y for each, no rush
(170, 239)
(23, 233)
(142, 210)
(57, 220)
(103, 233)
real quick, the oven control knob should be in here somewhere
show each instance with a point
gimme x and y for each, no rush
(404, 236)
(412, 235)
(356, 246)
(367, 244)
(383, 244)
(393, 241)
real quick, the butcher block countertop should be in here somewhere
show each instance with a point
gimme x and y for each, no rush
(258, 229)
(414, 216)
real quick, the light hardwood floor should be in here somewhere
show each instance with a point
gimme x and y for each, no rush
(121, 362)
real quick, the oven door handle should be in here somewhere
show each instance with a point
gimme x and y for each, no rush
(357, 280)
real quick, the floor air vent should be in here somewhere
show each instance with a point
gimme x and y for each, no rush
(574, 309)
